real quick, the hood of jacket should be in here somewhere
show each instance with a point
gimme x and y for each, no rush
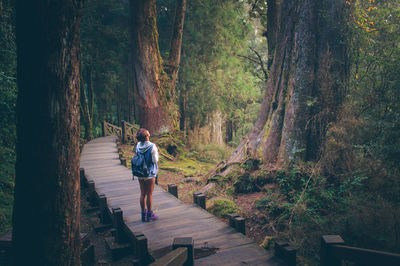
(142, 147)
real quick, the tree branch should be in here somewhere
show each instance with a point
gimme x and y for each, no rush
(261, 63)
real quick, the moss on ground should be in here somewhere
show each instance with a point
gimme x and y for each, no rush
(223, 207)
(187, 166)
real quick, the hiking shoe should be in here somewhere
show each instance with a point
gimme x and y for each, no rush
(144, 216)
(151, 216)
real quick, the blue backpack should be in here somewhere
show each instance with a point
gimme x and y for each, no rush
(139, 165)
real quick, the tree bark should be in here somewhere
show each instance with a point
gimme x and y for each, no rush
(176, 43)
(272, 26)
(154, 97)
(46, 199)
(305, 85)
(154, 89)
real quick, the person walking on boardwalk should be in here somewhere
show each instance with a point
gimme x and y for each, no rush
(150, 153)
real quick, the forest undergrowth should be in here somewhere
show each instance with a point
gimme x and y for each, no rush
(298, 203)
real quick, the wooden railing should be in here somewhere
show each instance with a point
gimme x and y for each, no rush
(129, 132)
(334, 251)
(111, 130)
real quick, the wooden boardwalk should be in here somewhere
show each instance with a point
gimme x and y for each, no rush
(100, 160)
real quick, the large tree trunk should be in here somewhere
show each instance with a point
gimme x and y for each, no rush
(305, 85)
(176, 43)
(155, 90)
(46, 205)
(153, 97)
(272, 27)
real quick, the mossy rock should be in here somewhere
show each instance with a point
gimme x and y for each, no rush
(223, 207)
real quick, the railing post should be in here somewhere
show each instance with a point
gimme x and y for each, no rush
(104, 128)
(327, 259)
(136, 236)
(286, 252)
(195, 194)
(240, 224)
(173, 189)
(141, 250)
(123, 126)
(82, 179)
(201, 200)
(91, 190)
(185, 242)
(103, 208)
(118, 221)
(232, 217)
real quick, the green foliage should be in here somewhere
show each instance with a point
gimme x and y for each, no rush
(353, 190)
(375, 90)
(106, 47)
(213, 77)
(223, 207)
(7, 174)
(172, 143)
(274, 204)
(245, 184)
(251, 164)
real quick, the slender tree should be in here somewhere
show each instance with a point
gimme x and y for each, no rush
(46, 207)
(305, 84)
(87, 103)
(154, 89)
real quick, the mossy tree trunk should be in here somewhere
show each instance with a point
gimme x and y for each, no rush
(154, 88)
(306, 82)
(46, 199)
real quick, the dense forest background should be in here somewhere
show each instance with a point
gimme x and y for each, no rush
(352, 189)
